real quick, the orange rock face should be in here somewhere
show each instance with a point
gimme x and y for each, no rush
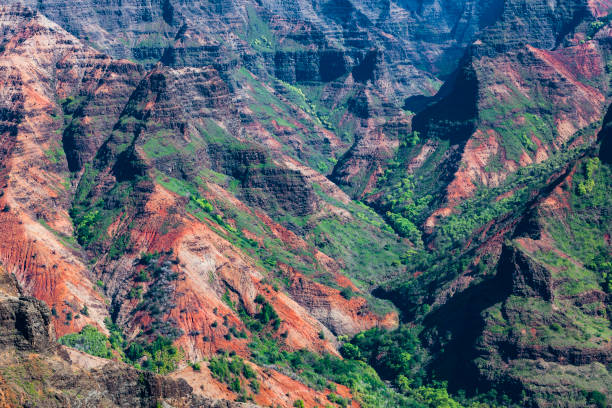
(275, 388)
(40, 62)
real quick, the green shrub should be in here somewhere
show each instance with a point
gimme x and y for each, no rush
(587, 185)
(204, 204)
(86, 227)
(235, 385)
(390, 353)
(337, 399)
(347, 292)
(248, 372)
(219, 368)
(119, 246)
(255, 386)
(90, 341)
(143, 276)
(350, 351)
(598, 398)
(266, 313)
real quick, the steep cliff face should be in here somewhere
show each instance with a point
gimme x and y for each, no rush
(525, 90)
(334, 51)
(300, 42)
(25, 320)
(506, 151)
(540, 327)
(41, 65)
(555, 317)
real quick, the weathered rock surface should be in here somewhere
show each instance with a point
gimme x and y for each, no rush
(212, 157)
(27, 345)
(534, 317)
(524, 276)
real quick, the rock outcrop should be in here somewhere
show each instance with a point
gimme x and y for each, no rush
(24, 320)
(524, 276)
(536, 314)
(26, 338)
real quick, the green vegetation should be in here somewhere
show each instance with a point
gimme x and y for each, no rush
(159, 355)
(596, 397)
(197, 205)
(318, 371)
(55, 154)
(451, 256)
(397, 355)
(90, 341)
(265, 317)
(375, 356)
(516, 138)
(582, 232)
(512, 119)
(72, 103)
(157, 299)
(87, 227)
(151, 350)
(595, 26)
(347, 292)
(159, 147)
(119, 246)
(266, 312)
(215, 134)
(259, 35)
(405, 227)
(586, 186)
(236, 373)
(282, 108)
(92, 218)
(392, 354)
(68, 241)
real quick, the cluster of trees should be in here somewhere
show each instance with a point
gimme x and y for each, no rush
(159, 355)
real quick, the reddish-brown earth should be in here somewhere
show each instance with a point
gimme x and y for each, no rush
(58, 92)
(259, 137)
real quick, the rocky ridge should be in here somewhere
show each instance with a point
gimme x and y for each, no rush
(191, 189)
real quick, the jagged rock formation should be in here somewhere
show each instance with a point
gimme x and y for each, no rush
(532, 74)
(381, 42)
(531, 325)
(523, 276)
(24, 320)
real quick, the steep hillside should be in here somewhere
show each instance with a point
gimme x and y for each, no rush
(512, 108)
(35, 371)
(541, 325)
(152, 216)
(308, 203)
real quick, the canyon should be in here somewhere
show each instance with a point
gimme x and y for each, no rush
(237, 203)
